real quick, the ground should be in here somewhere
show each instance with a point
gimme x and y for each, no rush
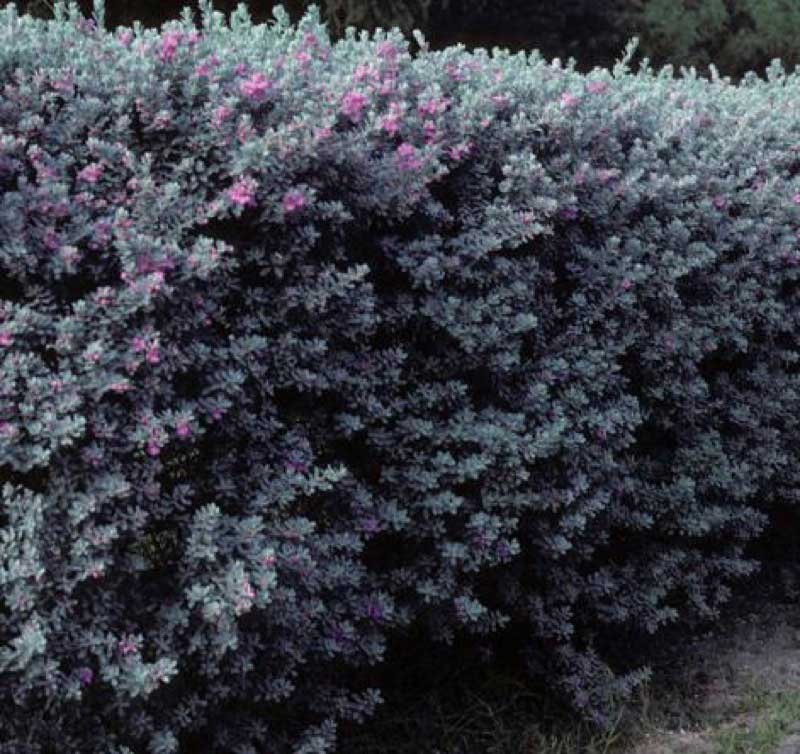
(746, 689)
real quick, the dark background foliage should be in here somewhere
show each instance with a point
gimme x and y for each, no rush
(736, 35)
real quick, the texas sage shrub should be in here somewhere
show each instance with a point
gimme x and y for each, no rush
(305, 344)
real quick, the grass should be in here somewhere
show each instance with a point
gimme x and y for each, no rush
(498, 720)
(710, 698)
(776, 716)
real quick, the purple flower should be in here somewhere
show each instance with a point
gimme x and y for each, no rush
(7, 430)
(256, 86)
(389, 124)
(375, 610)
(242, 192)
(569, 100)
(127, 647)
(220, 114)
(370, 524)
(6, 338)
(85, 676)
(91, 173)
(406, 157)
(352, 104)
(294, 200)
(719, 201)
(596, 87)
(387, 50)
(169, 45)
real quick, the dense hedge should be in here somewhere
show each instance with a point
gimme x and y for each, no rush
(303, 345)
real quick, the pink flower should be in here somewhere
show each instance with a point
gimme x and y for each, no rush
(243, 132)
(85, 676)
(626, 284)
(605, 175)
(119, 387)
(322, 133)
(454, 73)
(429, 129)
(152, 356)
(597, 87)
(152, 449)
(370, 524)
(362, 72)
(406, 157)
(256, 86)
(220, 114)
(182, 430)
(374, 610)
(125, 37)
(240, 69)
(569, 100)
(389, 124)
(51, 240)
(388, 84)
(6, 338)
(216, 414)
(139, 344)
(242, 192)
(91, 173)
(387, 50)
(126, 647)
(430, 107)
(352, 105)
(7, 429)
(294, 200)
(458, 151)
(796, 199)
(719, 201)
(169, 45)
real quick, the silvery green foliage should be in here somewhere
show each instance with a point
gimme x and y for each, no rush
(304, 343)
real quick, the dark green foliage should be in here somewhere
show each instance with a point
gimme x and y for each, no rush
(736, 35)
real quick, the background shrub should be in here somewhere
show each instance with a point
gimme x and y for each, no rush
(736, 35)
